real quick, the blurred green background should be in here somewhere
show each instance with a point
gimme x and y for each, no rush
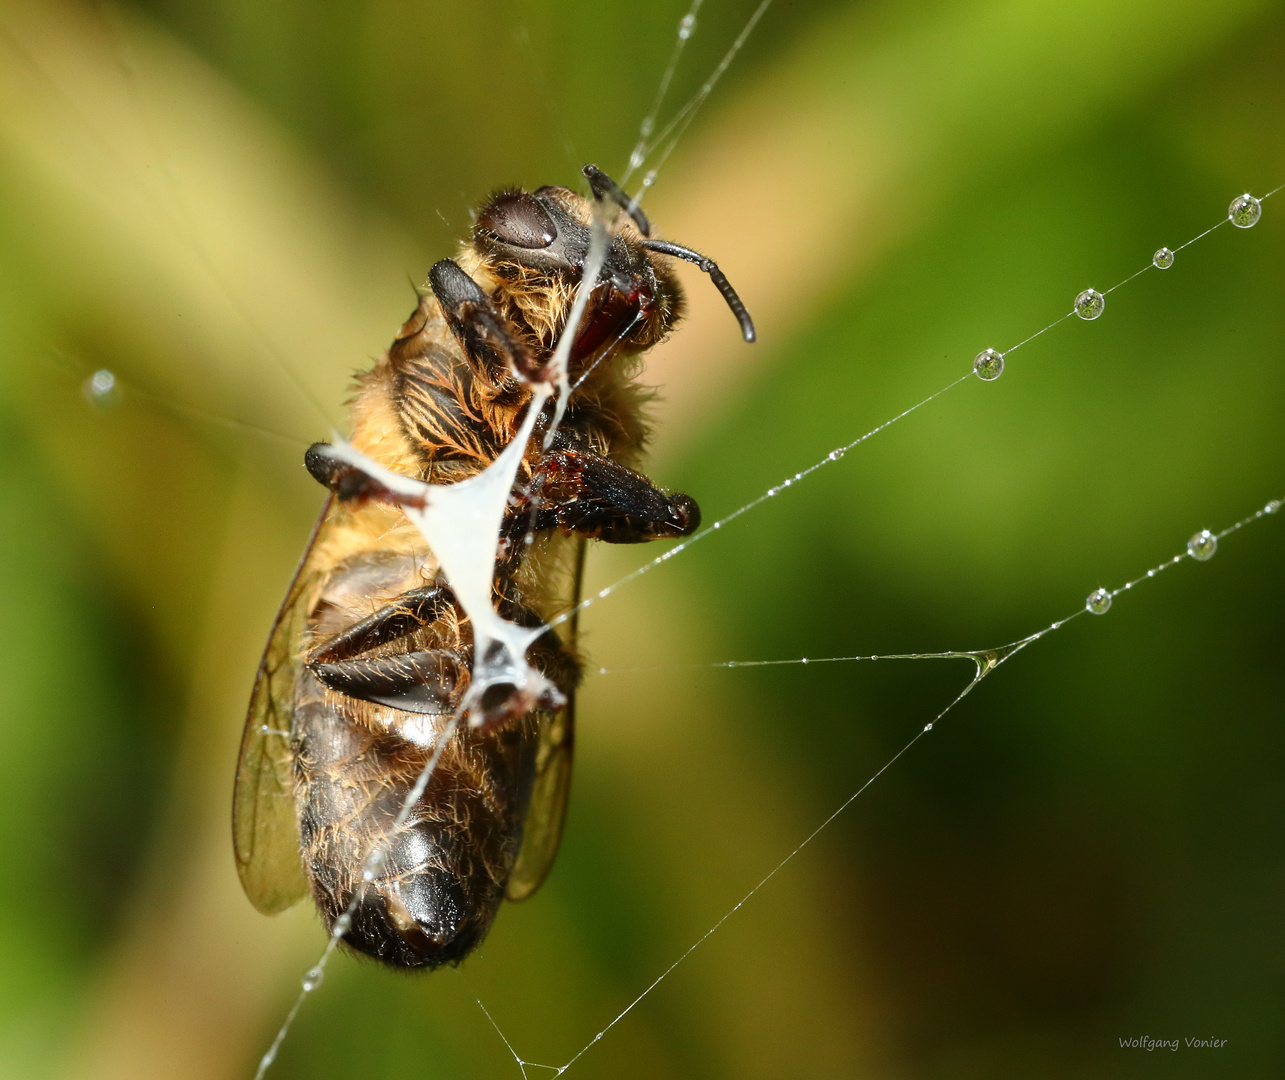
(221, 203)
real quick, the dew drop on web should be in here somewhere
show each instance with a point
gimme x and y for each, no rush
(687, 26)
(1098, 602)
(1245, 211)
(100, 389)
(1202, 546)
(1163, 258)
(312, 979)
(1272, 506)
(1090, 304)
(988, 365)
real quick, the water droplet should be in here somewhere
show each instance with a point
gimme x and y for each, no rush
(1163, 258)
(988, 364)
(1202, 546)
(928, 726)
(686, 26)
(342, 925)
(1245, 211)
(312, 979)
(804, 660)
(648, 126)
(100, 389)
(1098, 601)
(1089, 304)
(636, 158)
(1272, 506)
(650, 178)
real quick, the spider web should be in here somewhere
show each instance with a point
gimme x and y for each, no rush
(985, 661)
(989, 365)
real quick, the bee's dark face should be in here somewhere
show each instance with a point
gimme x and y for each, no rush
(546, 235)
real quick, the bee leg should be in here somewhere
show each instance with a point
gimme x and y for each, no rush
(430, 681)
(417, 680)
(476, 324)
(594, 496)
(425, 681)
(408, 613)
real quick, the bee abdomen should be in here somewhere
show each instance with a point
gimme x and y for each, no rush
(421, 911)
(443, 873)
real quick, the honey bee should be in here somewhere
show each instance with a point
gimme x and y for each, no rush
(371, 653)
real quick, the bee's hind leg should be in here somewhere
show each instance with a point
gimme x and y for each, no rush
(416, 680)
(356, 663)
(403, 616)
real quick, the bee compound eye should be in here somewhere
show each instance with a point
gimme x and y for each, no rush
(517, 218)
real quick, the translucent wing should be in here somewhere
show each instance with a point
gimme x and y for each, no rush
(265, 831)
(548, 809)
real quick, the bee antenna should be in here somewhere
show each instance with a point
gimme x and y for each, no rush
(716, 275)
(604, 187)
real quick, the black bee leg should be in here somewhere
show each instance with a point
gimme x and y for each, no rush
(425, 681)
(600, 498)
(409, 612)
(476, 324)
(418, 680)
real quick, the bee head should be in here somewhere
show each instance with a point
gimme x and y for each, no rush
(536, 244)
